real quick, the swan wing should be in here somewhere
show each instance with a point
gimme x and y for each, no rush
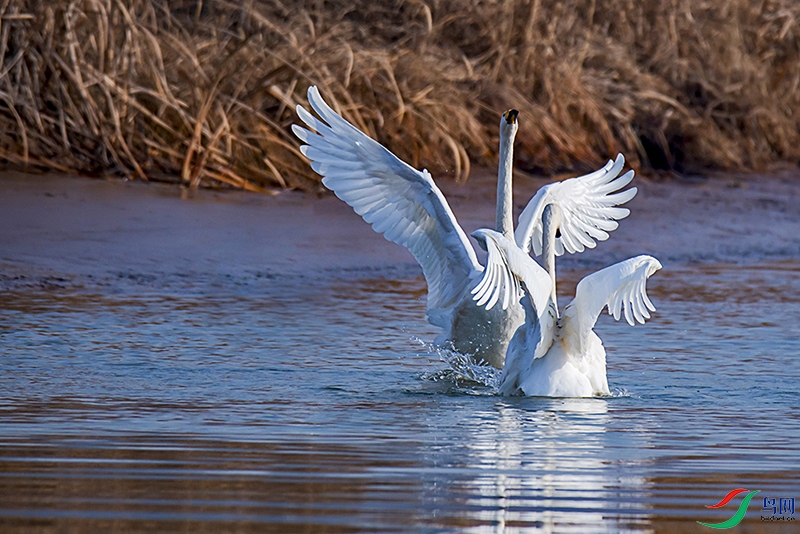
(399, 201)
(510, 274)
(620, 287)
(507, 269)
(589, 205)
(498, 283)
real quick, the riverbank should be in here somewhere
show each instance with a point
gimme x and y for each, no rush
(206, 91)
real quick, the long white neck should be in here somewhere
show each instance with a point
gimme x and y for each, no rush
(551, 219)
(504, 221)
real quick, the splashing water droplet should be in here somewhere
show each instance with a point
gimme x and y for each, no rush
(461, 369)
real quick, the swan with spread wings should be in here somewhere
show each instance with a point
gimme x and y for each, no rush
(406, 206)
(552, 355)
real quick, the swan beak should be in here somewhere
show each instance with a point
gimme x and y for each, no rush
(511, 116)
(480, 238)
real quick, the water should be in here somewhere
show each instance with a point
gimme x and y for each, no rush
(142, 398)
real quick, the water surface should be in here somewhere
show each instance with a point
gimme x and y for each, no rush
(158, 396)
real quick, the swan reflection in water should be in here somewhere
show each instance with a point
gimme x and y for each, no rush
(550, 465)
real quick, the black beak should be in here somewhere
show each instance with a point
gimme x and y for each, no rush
(511, 116)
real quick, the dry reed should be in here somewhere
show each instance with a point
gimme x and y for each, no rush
(204, 90)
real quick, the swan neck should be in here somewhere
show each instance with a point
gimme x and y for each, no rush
(551, 219)
(504, 221)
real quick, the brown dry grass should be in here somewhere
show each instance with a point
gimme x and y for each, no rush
(205, 89)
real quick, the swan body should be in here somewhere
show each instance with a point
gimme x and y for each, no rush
(405, 205)
(554, 356)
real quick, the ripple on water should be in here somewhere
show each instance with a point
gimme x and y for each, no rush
(258, 404)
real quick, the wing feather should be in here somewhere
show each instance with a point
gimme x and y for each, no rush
(523, 278)
(515, 268)
(589, 207)
(621, 288)
(398, 201)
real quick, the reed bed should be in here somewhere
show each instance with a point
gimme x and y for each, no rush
(203, 91)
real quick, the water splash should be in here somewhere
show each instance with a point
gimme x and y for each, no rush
(619, 392)
(470, 377)
(462, 370)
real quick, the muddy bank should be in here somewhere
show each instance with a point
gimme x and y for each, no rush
(57, 229)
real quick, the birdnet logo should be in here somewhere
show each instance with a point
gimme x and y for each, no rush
(738, 516)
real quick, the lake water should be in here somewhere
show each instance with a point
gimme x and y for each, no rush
(148, 385)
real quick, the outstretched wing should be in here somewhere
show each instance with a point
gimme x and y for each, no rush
(621, 287)
(399, 201)
(507, 268)
(589, 206)
(498, 280)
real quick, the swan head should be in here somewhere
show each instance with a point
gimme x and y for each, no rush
(480, 237)
(510, 116)
(509, 123)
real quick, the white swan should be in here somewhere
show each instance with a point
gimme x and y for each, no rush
(550, 356)
(407, 207)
